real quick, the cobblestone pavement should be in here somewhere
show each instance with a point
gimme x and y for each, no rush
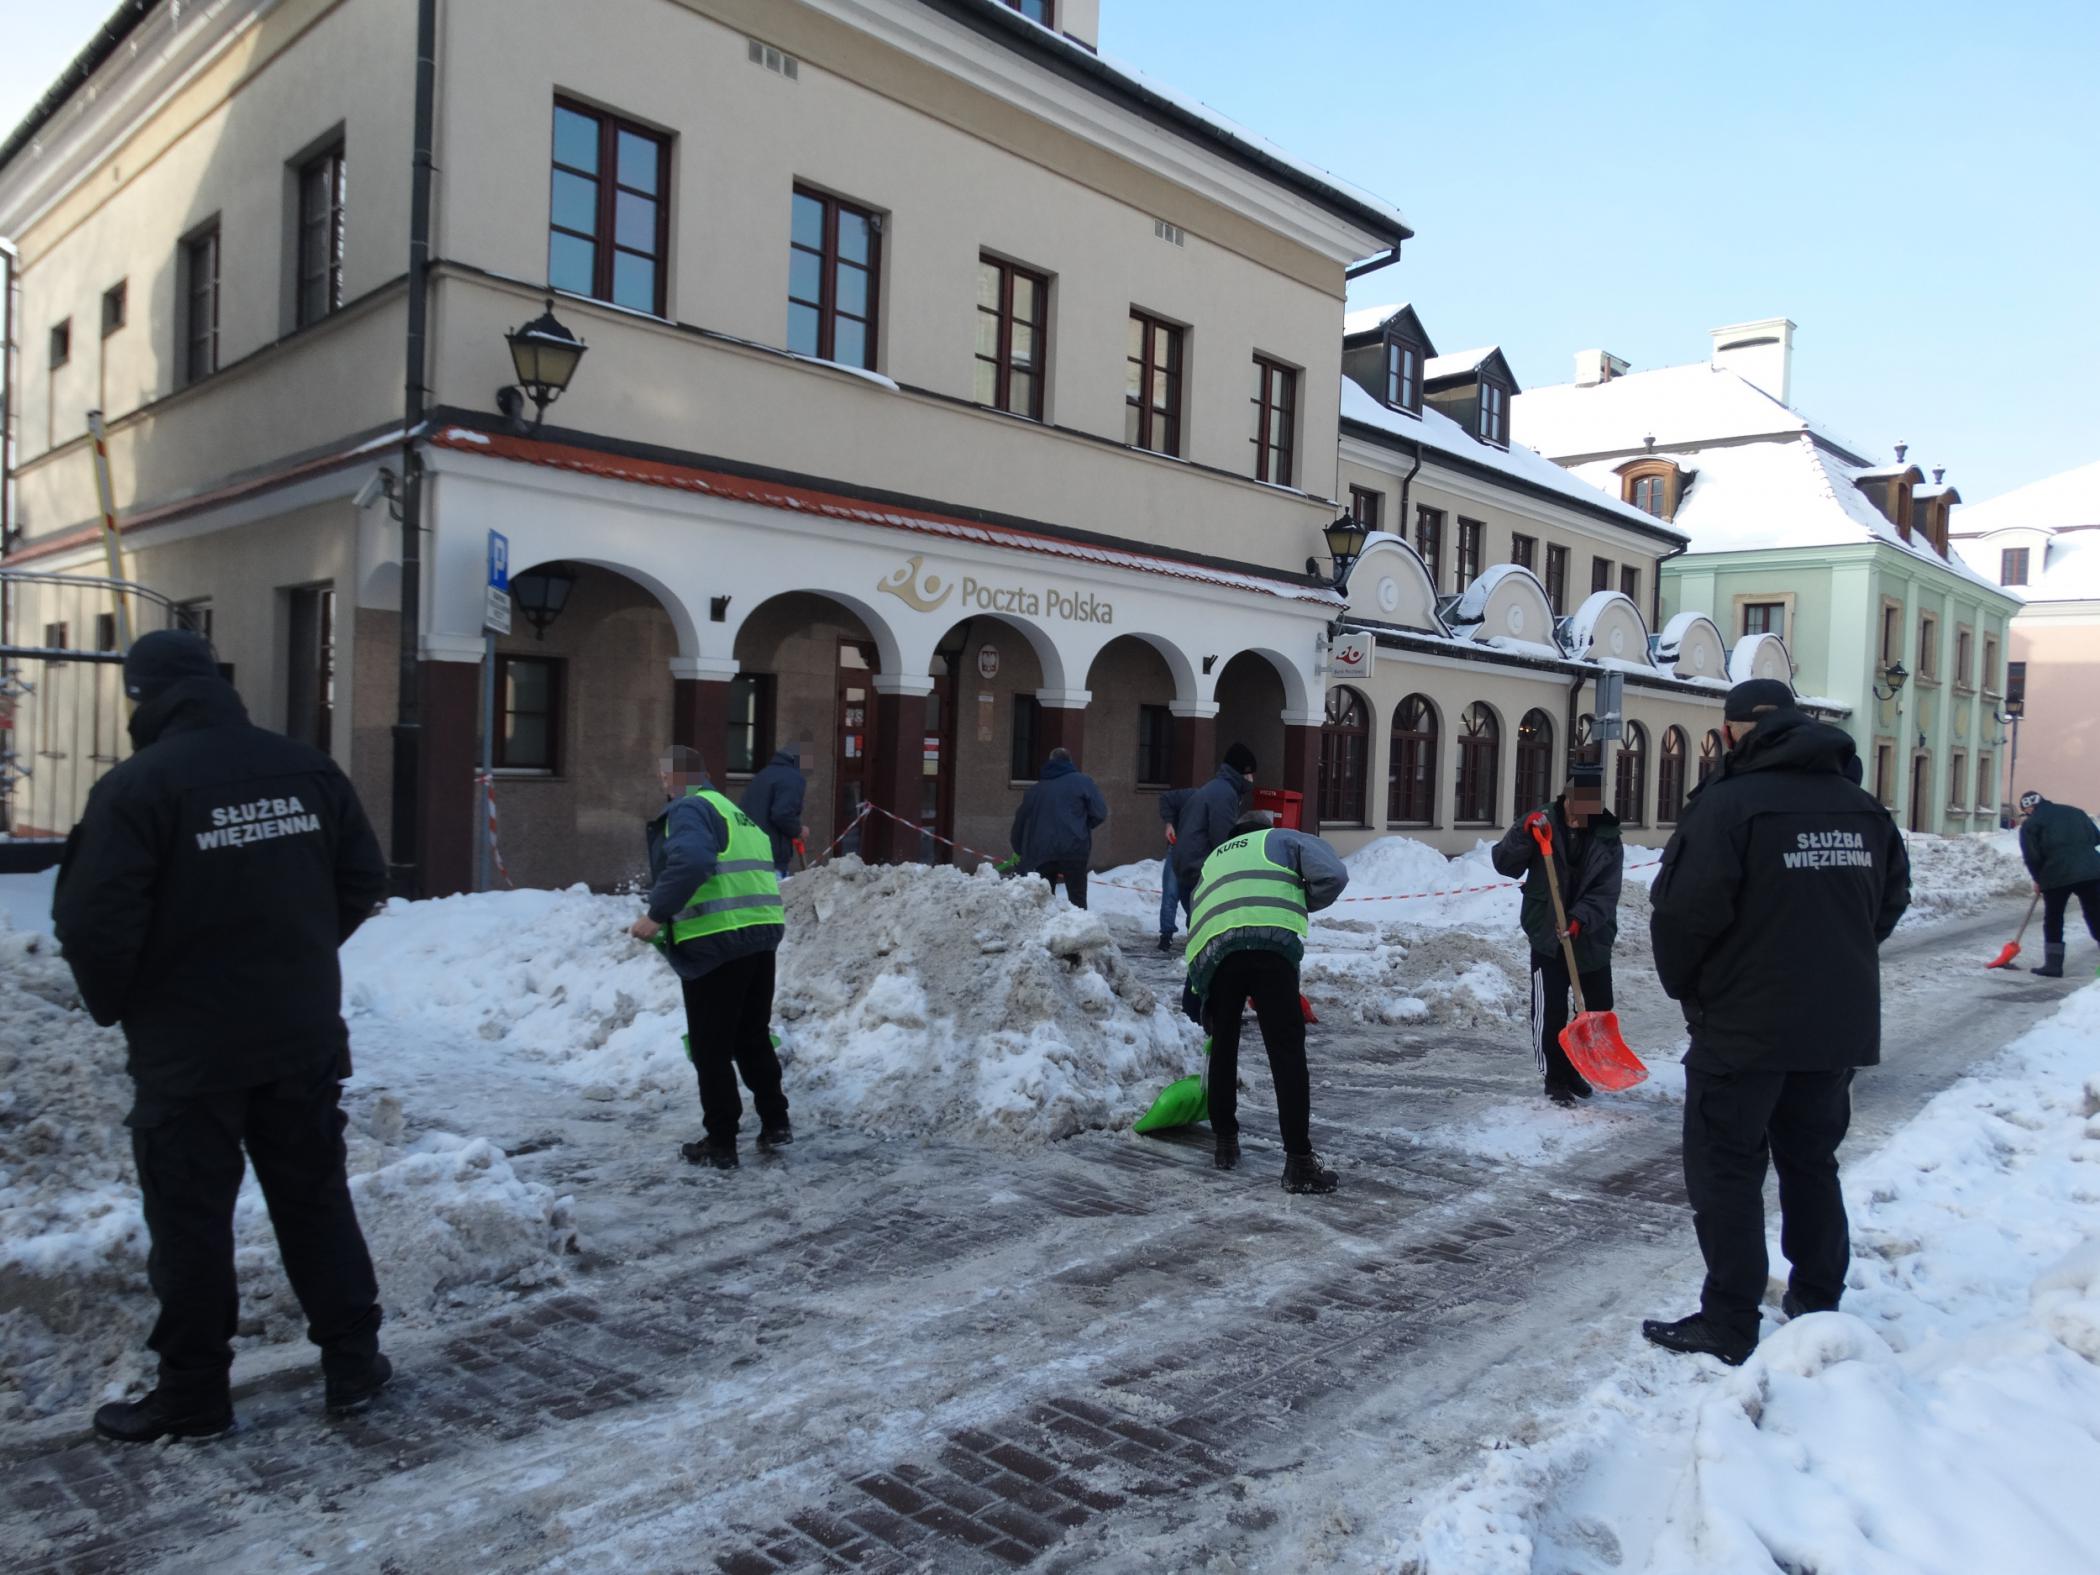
(896, 1357)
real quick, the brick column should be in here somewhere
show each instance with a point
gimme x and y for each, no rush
(448, 803)
(1301, 770)
(896, 768)
(1063, 723)
(700, 707)
(1195, 741)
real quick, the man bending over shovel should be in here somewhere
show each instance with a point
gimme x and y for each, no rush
(1589, 861)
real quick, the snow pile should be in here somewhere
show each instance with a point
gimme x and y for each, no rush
(1947, 1420)
(909, 1001)
(1951, 877)
(449, 1222)
(1360, 971)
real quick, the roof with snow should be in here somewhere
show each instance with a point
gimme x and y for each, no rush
(1533, 472)
(1679, 406)
(1368, 320)
(1458, 363)
(2068, 498)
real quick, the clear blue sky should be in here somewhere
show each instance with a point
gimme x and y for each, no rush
(1916, 185)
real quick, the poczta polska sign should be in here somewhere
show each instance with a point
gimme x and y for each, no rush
(926, 593)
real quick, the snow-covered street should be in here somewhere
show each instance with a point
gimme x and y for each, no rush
(939, 1332)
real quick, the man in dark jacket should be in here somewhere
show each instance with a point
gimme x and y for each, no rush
(1774, 897)
(203, 896)
(1053, 830)
(2057, 845)
(714, 906)
(774, 798)
(1590, 860)
(1172, 895)
(1210, 812)
(1246, 938)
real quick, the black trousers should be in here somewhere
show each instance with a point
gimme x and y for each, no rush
(1732, 1121)
(1550, 1005)
(190, 1167)
(1270, 980)
(2056, 901)
(729, 1020)
(1074, 873)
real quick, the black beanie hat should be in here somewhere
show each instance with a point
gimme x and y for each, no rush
(1241, 759)
(1586, 773)
(163, 658)
(1745, 700)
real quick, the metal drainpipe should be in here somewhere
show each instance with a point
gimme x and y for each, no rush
(1407, 481)
(1655, 591)
(408, 725)
(9, 410)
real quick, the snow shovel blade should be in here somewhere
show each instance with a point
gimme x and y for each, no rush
(1600, 1053)
(2005, 958)
(1181, 1103)
(1305, 1010)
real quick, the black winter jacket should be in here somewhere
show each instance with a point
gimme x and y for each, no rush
(1207, 817)
(2056, 843)
(204, 893)
(1057, 817)
(774, 799)
(685, 843)
(1774, 897)
(1589, 889)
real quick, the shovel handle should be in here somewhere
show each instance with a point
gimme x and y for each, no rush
(1543, 836)
(2032, 903)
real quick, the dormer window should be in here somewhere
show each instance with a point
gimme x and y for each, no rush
(1034, 10)
(1652, 486)
(1403, 375)
(1494, 413)
(1651, 495)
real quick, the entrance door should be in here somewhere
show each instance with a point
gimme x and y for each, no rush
(1920, 785)
(856, 732)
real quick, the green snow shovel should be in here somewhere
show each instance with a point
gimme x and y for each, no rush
(1182, 1103)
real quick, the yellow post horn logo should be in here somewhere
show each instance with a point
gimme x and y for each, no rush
(906, 586)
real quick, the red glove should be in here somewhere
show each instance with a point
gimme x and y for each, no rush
(1574, 927)
(1536, 819)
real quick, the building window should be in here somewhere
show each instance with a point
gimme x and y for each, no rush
(750, 742)
(320, 276)
(1651, 495)
(309, 712)
(834, 279)
(1711, 750)
(200, 294)
(2012, 566)
(1152, 386)
(115, 307)
(1764, 618)
(1410, 797)
(608, 217)
(1990, 664)
(1494, 414)
(1957, 780)
(1479, 756)
(1034, 10)
(1345, 747)
(194, 616)
(2016, 688)
(1534, 763)
(1964, 647)
(1557, 579)
(1524, 551)
(1024, 759)
(61, 344)
(1403, 375)
(1600, 575)
(1011, 306)
(57, 637)
(1155, 761)
(1472, 538)
(1885, 775)
(1669, 777)
(1630, 583)
(1429, 542)
(1275, 410)
(1631, 806)
(1366, 506)
(1928, 647)
(1986, 785)
(105, 631)
(1891, 632)
(528, 713)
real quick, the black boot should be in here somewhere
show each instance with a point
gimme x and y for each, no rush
(1304, 1173)
(708, 1152)
(2052, 962)
(350, 1390)
(1794, 1307)
(143, 1421)
(1166, 943)
(776, 1135)
(1227, 1154)
(1694, 1336)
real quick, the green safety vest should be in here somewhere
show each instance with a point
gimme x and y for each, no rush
(1242, 888)
(743, 891)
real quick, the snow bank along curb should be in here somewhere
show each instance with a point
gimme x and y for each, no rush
(1948, 1419)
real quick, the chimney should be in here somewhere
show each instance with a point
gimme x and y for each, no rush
(1080, 21)
(1760, 353)
(1939, 474)
(1597, 366)
(1901, 450)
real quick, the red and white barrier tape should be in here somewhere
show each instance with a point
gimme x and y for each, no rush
(488, 797)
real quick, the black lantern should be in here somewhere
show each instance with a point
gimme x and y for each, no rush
(544, 354)
(1895, 675)
(1345, 542)
(540, 594)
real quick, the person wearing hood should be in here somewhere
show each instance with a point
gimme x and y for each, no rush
(2057, 846)
(1589, 859)
(1053, 830)
(1209, 813)
(200, 905)
(1774, 896)
(773, 798)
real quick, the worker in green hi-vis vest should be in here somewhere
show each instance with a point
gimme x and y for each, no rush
(1247, 928)
(714, 906)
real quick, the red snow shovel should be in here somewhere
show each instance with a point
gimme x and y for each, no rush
(2012, 947)
(1592, 1039)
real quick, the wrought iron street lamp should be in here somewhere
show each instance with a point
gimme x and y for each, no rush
(545, 355)
(1895, 675)
(540, 594)
(1345, 544)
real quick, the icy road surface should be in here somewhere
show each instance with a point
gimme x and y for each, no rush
(1100, 1354)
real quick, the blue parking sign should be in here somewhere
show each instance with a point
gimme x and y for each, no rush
(499, 561)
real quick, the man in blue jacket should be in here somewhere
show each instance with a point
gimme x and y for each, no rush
(714, 897)
(2056, 844)
(1053, 830)
(774, 798)
(1172, 895)
(1210, 812)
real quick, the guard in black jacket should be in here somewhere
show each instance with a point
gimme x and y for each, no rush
(2057, 844)
(1774, 897)
(200, 905)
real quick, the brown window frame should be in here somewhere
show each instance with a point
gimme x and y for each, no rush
(1534, 764)
(1403, 382)
(1964, 653)
(1630, 787)
(1891, 632)
(1670, 776)
(1988, 678)
(1928, 648)
(752, 709)
(1630, 582)
(830, 263)
(1957, 779)
(1774, 610)
(1275, 393)
(1468, 563)
(1600, 574)
(1479, 766)
(1557, 579)
(1345, 759)
(2009, 559)
(604, 235)
(1429, 524)
(1524, 551)
(1366, 506)
(1005, 319)
(1418, 745)
(557, 693)
(199, 249)
(318, 254)
(1155, 746)
(1153, 332)
(1024, 756)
